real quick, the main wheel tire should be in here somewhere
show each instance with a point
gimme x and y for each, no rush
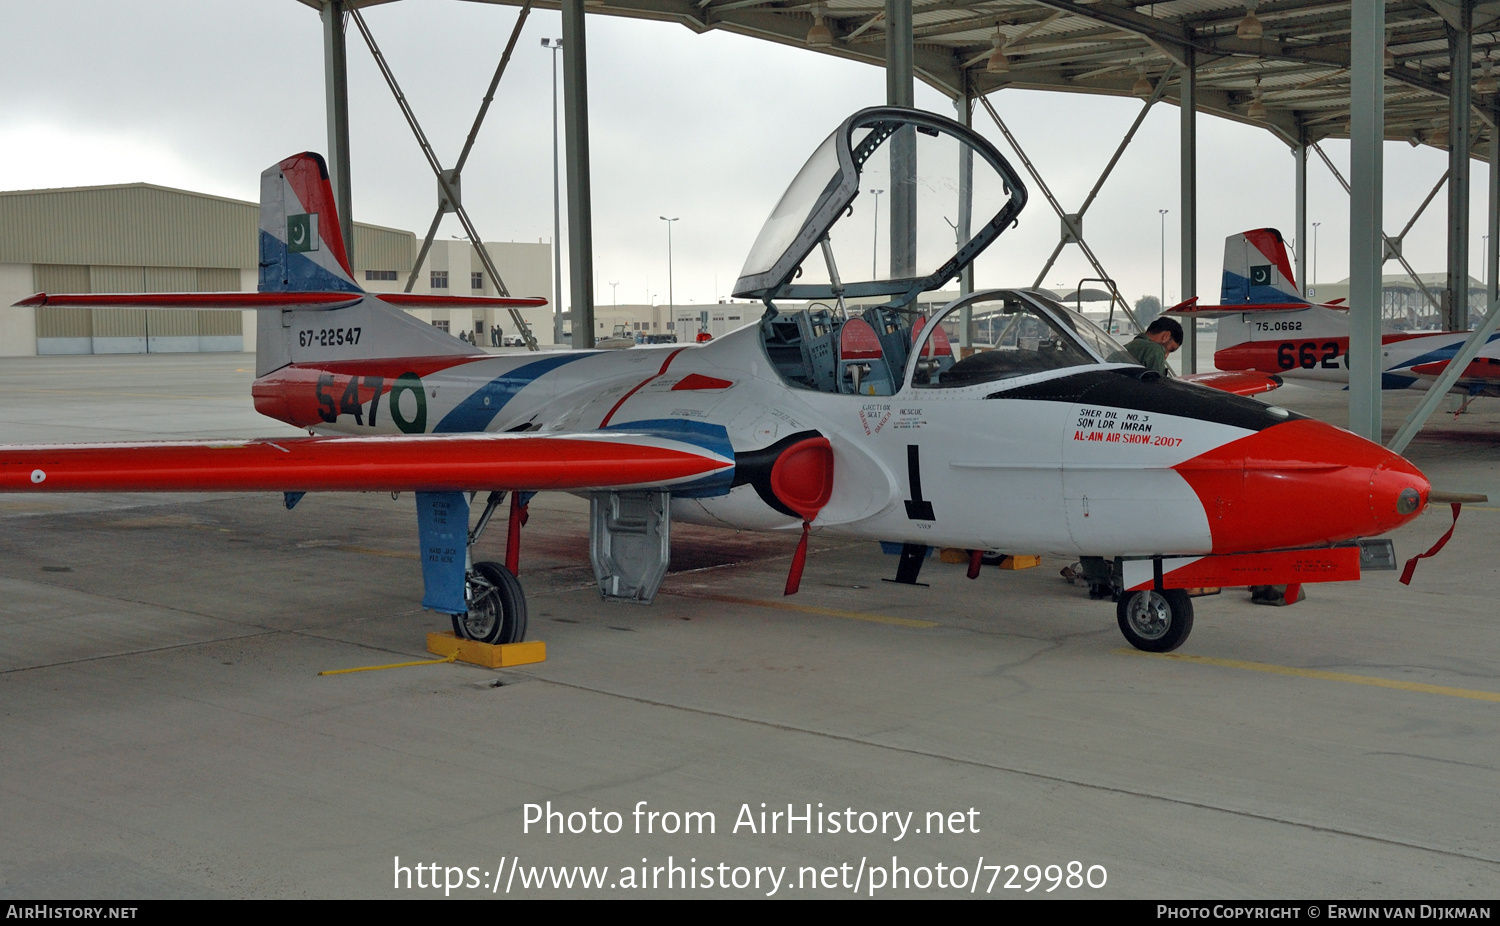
(497, 607)
(1157, 622)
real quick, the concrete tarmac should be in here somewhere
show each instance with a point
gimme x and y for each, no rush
(164, 731)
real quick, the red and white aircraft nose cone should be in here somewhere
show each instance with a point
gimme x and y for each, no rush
(1302, 483)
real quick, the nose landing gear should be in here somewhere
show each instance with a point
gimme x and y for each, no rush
(1156, 622)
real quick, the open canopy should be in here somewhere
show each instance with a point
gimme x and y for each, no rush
(915, 198)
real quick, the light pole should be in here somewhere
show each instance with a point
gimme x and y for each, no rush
(614, 300)
(557, 333)
(875, 246)
(670, 310)
(1312, 286)
(1163, 258)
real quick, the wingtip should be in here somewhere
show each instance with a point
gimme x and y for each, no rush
(31, 302)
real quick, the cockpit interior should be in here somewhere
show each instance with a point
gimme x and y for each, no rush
(915, 198)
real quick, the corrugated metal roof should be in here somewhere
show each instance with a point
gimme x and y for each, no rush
(1096, 47)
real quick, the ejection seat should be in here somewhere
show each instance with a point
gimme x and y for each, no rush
(937, 354)
(862, 366)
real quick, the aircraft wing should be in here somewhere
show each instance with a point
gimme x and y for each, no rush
(268, 300)
(569, 461)
(1239, 382)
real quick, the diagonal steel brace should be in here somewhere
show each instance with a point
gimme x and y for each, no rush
(1056, 207)
(1391, 245)
(437, 168)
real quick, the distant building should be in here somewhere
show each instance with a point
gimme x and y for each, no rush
(1404, 304)
(143, 238)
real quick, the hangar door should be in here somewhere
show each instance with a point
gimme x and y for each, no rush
(136, 331)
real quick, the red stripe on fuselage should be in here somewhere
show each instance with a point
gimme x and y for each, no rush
(659, 373)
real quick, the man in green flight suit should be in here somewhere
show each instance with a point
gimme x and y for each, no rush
(1151, 347)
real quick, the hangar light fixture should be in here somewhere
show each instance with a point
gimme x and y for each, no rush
(1249, 28)
(1257, 108)
(1486, 85)
(998, 63)
(1142, 86)
(819, 36)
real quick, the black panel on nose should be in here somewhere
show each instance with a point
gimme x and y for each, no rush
(1140, 390)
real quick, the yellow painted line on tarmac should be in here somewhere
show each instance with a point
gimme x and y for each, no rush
(1273, 669)
(809, 609)
(394, 665)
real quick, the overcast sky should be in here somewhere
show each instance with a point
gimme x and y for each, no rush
(204, 94)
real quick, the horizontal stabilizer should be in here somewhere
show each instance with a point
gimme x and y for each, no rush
(425, 301)
(195, 301)
(1191, 309)
(1238, 382)
(406, 463)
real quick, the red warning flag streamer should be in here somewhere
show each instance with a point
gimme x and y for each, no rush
(1411, 564)
(799, 559)
(802, 478)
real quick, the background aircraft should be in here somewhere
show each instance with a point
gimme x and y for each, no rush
(1003, 421)
(1267, 325)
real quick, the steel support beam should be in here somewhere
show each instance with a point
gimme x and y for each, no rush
(900, 90)
(1188, 204)
(964, 230)
(336, 109)
(1492, 248)
(1366, 180)
(1460, 78)
(1299, 153)
(580, 205)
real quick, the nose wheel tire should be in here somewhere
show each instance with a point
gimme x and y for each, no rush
(497, 607)
(1157, 622)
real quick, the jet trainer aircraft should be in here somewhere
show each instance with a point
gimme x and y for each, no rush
(1267, 325)
(1000, 422)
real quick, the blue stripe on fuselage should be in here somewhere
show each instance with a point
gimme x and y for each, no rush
(1442, 353)
(711, 437)
(477, 411)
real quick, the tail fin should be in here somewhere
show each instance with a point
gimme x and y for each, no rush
(301, 244)
(1256, 270)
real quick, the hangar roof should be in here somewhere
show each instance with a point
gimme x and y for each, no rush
(142, 224)
(1300, 61)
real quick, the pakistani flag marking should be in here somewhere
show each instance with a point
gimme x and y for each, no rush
(1260, 276)
(302, 232)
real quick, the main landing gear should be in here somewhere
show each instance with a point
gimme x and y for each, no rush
(497, 606)
(1155, 621)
